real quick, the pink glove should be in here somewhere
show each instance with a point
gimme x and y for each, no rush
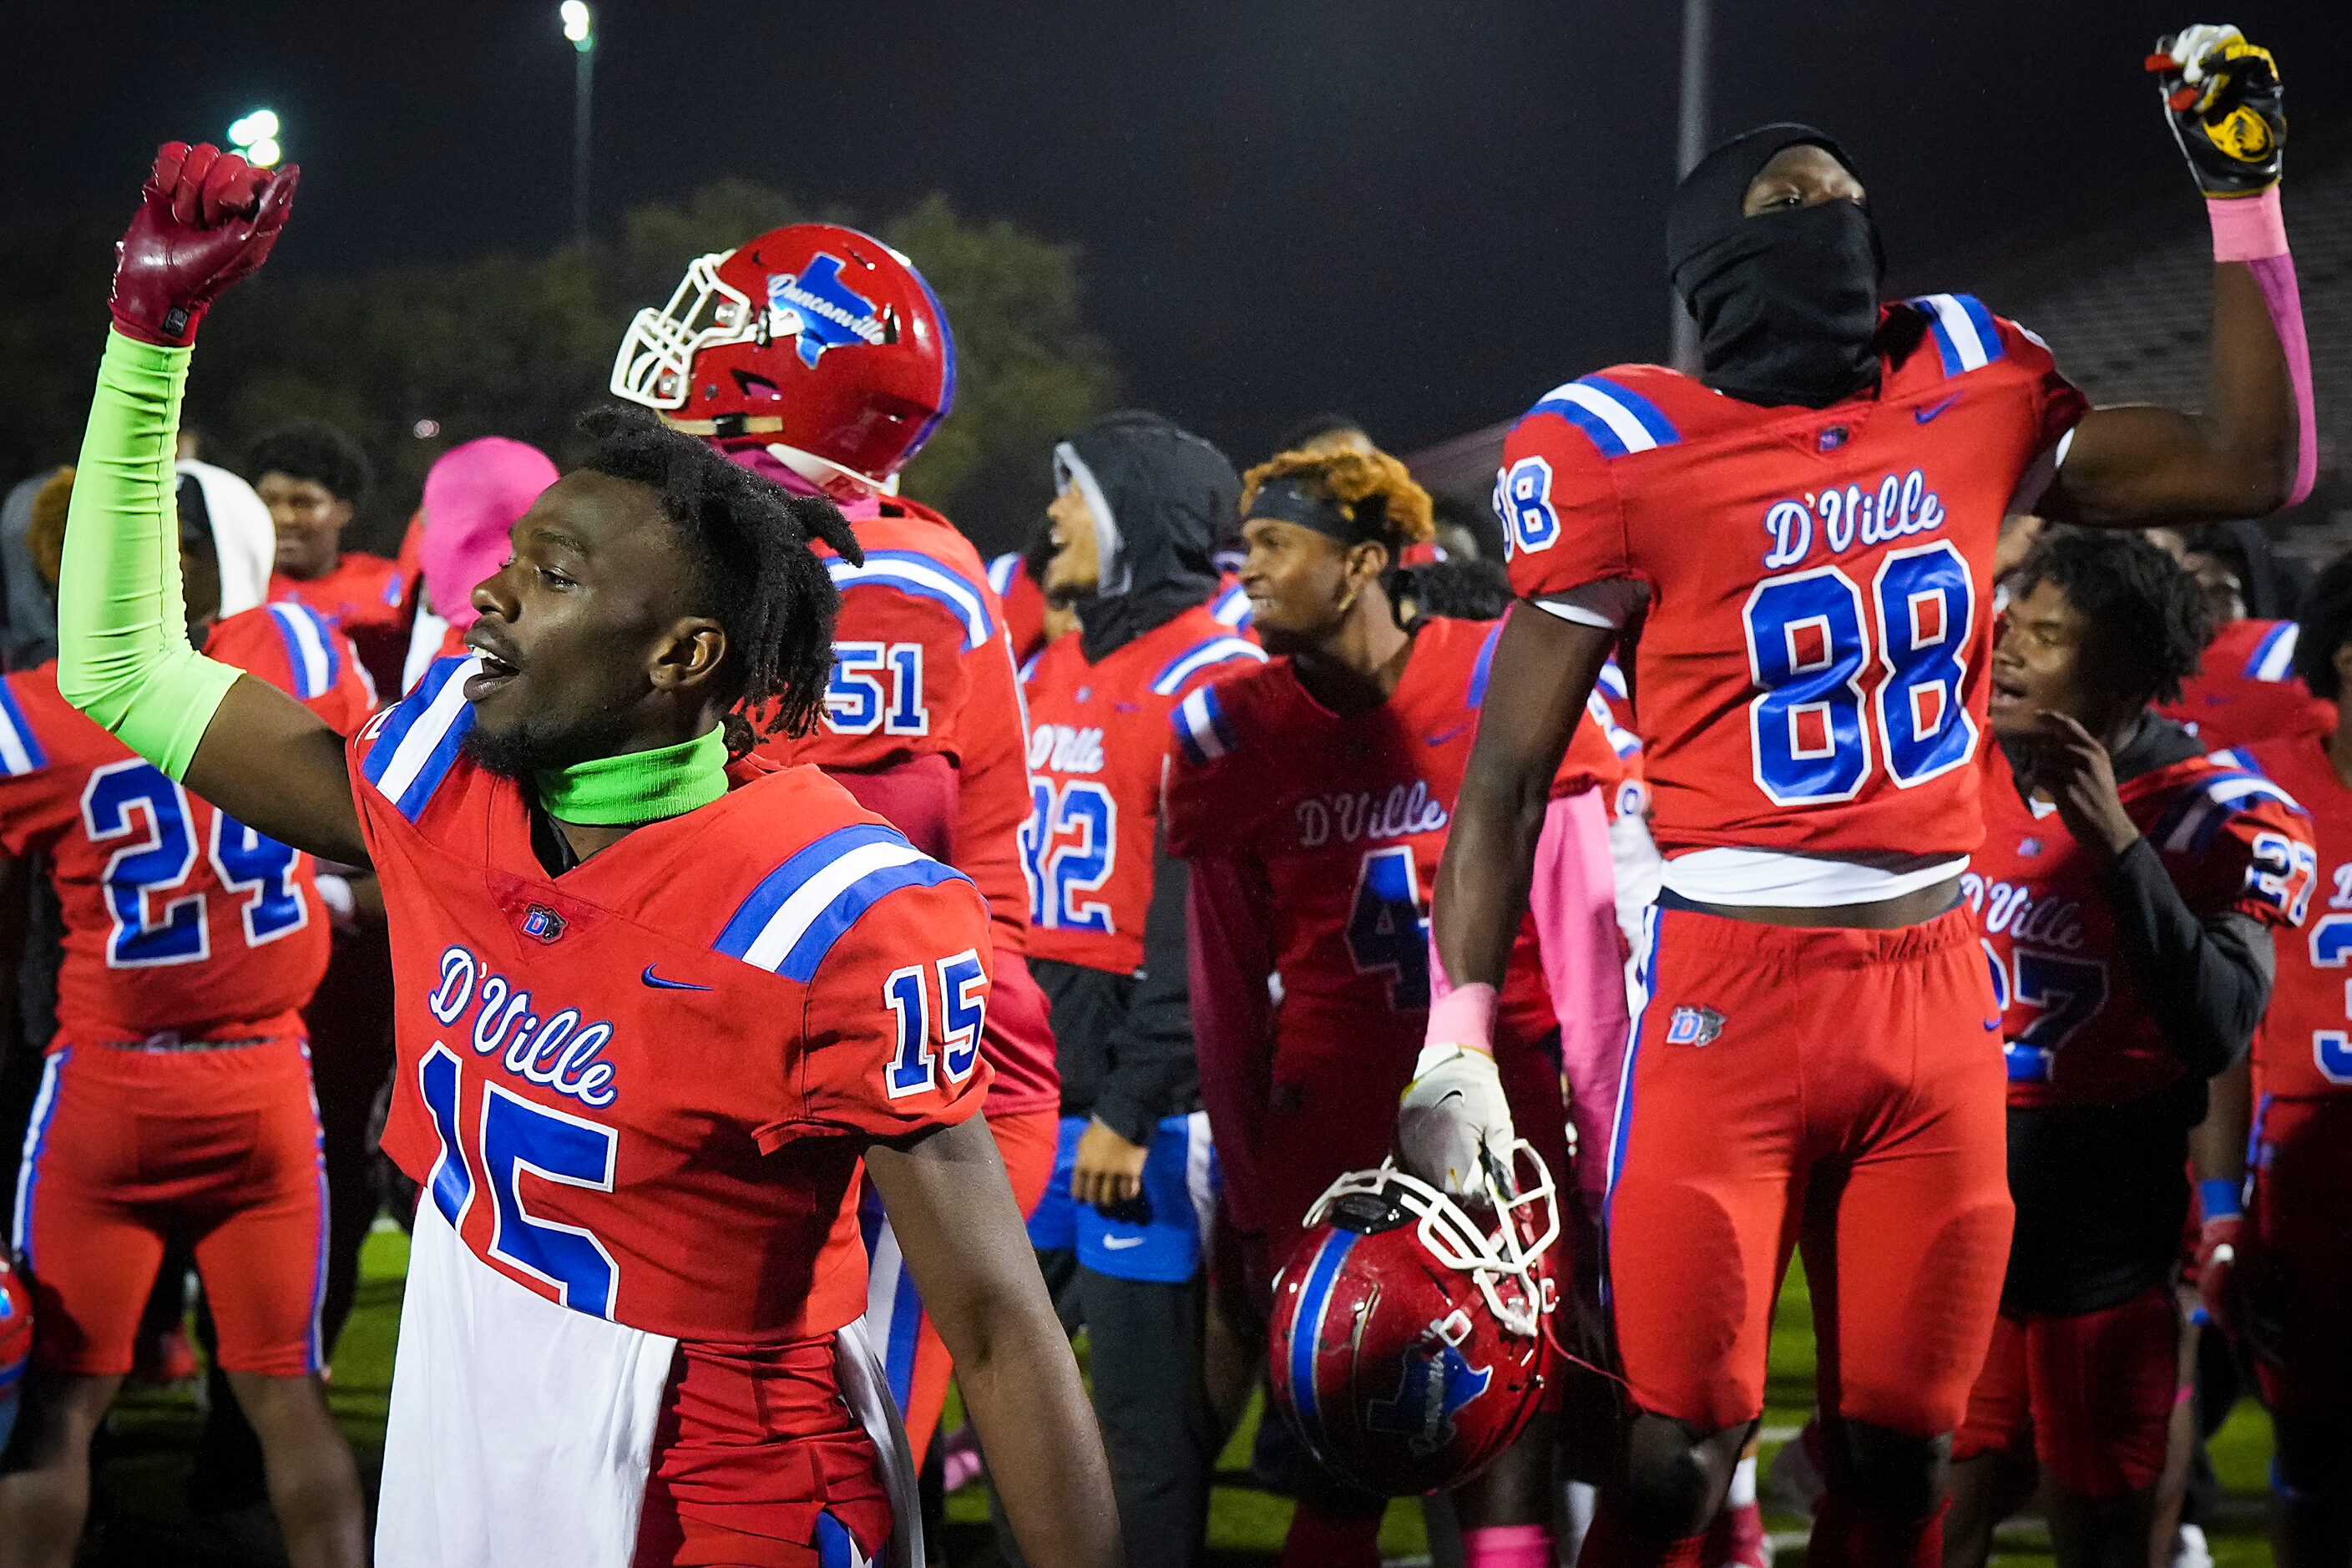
(208, 219)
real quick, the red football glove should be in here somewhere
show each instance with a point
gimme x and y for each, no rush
(2220, 1246)
(209, 218)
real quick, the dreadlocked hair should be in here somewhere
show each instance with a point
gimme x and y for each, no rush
(751, 542)
(2323, 624)
(1376, 491)
(2152, 622)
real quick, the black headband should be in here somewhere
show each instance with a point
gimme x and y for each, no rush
(1284, 500)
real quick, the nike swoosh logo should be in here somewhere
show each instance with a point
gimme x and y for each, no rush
(1120, 1243)
(1441, 736)
(1933, 409)
(658, 984)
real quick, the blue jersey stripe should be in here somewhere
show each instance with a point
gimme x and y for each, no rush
(2273, 656)
(1198, 656)
(310, 650)
(1484, 667)
(752, 918)
(801, 961)
(418, 742)
(1966, 336)
(20, 749)
(924, 577)
(1616, 418)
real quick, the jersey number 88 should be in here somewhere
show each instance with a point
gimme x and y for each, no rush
(1810, 640)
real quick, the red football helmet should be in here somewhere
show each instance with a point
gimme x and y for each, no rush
(1408, 1345)
(818, 342)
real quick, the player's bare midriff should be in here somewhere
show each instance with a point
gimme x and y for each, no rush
(1911, 908)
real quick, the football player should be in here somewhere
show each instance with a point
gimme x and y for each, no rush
(655, 1007)
(922, 717)
(1310, 797)
(2129, 887)
(2276, 1265)
(1140, 505)
(2246, 687)
(1803, 534)
(312, 478)
(175, 1108)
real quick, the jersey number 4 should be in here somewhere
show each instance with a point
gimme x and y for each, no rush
(1809, 643)
(1387, 933)
(135, 802)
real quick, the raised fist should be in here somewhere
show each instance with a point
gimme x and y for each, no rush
(207, 219)
(2221, 97)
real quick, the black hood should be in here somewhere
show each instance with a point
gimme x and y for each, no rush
(1162, 499)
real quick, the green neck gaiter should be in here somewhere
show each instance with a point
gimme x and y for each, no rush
(639, 787)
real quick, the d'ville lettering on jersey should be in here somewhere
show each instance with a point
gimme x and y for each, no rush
(1354, 815)
(1901, 505)
(1066, 749)
(555, 1051)
(2049, 923)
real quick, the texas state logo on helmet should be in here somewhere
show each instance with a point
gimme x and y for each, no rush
(1408, 1345)
(816, 341)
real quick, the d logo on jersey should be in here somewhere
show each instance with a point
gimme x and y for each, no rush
(542, 924)
(1694, 1026)
(820, 311)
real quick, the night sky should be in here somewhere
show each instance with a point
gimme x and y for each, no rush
(1421, 213)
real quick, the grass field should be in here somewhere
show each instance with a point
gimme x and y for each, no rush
(145, 1479)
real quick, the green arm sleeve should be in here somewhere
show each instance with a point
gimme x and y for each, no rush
(123, 654)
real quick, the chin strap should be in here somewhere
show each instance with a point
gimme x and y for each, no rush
(639, 787)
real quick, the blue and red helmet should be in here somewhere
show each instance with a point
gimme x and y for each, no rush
(1407, 1346)
(819, 343)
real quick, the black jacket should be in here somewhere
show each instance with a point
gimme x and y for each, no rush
(1162, 499)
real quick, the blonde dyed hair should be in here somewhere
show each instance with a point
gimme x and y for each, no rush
(1350, 481)
(45, 538)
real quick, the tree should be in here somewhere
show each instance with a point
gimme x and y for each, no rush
(413, 360)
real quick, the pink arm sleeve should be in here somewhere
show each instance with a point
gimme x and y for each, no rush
(2253, 229)
(1232, 1025)
(1574, 900)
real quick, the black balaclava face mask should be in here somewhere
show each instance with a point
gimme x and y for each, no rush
(1787, 302)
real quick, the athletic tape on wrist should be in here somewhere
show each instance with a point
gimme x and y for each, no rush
(2218, 1198)
(2247, 228)
(1464, 1016)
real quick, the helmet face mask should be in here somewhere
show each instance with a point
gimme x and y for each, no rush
(817, 345)
(1408, 1347)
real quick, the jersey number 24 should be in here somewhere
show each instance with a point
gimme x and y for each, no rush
(135, 803)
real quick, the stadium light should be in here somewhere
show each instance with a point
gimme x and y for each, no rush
(580, 26)
(255, 137)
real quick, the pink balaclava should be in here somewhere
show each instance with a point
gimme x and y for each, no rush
(473, 494)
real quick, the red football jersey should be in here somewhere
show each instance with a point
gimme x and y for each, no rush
(366, 596)
(1099, 744)
(2246, 689)
(178, 917)
(641, 1088)
(2305, 1048)
(1024, 606)
(1810, 672)
(359, 591)
(921, 667)
(1346, 816)
(2076, 1029)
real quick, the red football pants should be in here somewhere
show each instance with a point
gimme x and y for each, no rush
(915, 1360)
(2298, 1280)
(2094, 1389)
(132, 1150)
(1843, 1086)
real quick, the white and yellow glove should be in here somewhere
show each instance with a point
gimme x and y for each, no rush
(1453, 1125)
